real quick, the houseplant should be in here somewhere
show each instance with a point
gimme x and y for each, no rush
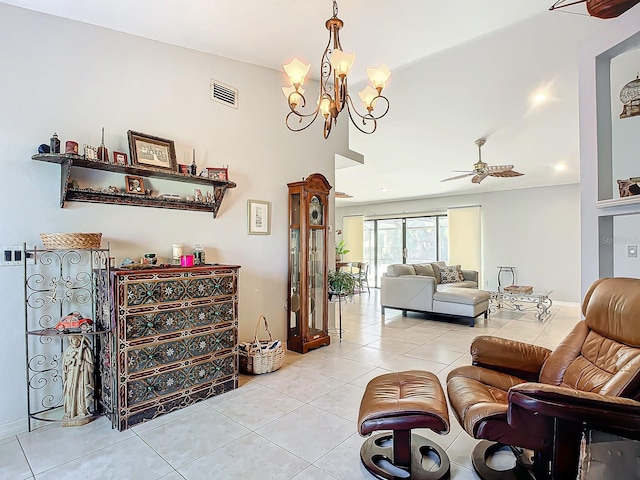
(341, 283)
(341, 250)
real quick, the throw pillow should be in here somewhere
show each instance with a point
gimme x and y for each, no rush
(450, 274)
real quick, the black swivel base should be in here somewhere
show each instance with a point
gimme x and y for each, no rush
(485, 449)
(410, 449)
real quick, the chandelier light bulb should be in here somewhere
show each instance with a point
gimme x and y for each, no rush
(325, 106)
(296, 71)
(368, 96)
(293, 95)
(379, 76)
(342, 62)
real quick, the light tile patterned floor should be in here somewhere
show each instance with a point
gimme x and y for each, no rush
(297, 423)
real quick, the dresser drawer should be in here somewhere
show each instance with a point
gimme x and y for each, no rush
(149, 324)
(160, 291)
(179, 350)
(185, 377)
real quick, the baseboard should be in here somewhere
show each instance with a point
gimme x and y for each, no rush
(560, 303)
(9, 429)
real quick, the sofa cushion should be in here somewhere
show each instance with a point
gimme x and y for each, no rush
(463, 284)
(450, 274)
(424, 269)
(436, 270)
(398, 269)
(466, 296)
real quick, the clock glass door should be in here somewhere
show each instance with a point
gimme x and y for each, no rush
(316, 283)
(294, 268)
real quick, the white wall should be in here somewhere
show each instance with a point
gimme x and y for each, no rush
(72, 78)
(626, 233)
(596, 138)
(536, 230)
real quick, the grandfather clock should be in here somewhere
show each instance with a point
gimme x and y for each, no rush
(308, 236)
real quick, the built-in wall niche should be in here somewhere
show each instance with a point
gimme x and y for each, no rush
(618, 139)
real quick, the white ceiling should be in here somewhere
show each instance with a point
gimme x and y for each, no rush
(460, 70)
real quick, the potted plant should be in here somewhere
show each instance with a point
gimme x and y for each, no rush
(341, 283)
(341, 250)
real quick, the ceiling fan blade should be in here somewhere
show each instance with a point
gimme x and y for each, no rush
(478, 178)
(457, 177)
(463, 171)
(505, 173)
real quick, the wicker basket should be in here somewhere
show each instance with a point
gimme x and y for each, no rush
(70, 240)
(261, 356)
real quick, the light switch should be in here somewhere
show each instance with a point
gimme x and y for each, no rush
(632, 251)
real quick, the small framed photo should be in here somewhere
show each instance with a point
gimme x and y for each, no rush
(218, 173)
(90, 153)
(120, 158)
(134, 184)
(259, 217)
(149, 151)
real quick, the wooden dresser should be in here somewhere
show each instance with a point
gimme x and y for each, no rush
(174, 342)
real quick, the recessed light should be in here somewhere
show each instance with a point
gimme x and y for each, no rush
(539, 98)
(561, 167)
(384, 189)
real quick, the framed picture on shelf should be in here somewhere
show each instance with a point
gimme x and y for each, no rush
(259, 213)
(90, 153)
(120, 158)
(149, 151)
(218, 173)
(134, 184)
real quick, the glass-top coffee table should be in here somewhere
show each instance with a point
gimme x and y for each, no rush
(537, 301)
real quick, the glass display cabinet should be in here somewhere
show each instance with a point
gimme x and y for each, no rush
(308, 236)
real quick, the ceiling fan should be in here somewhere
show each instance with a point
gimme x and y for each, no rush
(481, 170)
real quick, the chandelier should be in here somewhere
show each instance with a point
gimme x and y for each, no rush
(334, 94)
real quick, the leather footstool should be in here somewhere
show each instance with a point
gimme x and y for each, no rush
(401, 402)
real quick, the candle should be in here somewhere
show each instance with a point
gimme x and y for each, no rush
(194, 155)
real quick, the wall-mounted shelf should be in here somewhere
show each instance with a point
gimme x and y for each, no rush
(618, 202)
(66, 161)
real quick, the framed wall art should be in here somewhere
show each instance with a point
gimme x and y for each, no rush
(134, 184)
(218, 173)
(259, 217)
(149, 151)
(120, 158)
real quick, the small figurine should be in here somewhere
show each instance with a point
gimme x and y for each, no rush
(71, 147)
(44, 148)
(103, 153)
(194, 167)
(77, 379)
(54, 144)
(113, 189)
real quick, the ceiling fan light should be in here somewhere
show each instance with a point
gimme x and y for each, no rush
(342, 62)
(296, 71)
(379, 76)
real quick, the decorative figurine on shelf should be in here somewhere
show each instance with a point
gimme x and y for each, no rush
(194, 168)
(71, 147)
(44, 148)
(77, 378)
(103, 153)
(54, 144)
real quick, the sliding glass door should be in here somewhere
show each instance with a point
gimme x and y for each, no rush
(403, 240)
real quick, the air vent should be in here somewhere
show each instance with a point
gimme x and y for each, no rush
(224, 94)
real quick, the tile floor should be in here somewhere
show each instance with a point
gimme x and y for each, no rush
(297, 423)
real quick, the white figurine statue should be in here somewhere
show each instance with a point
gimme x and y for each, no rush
(77, 377)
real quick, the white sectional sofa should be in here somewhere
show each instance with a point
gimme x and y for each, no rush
(419, 287)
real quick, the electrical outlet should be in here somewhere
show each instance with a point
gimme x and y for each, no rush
(485, 283)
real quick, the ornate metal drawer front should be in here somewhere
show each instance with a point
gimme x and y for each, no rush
(184, 348)
(159, 291)
(190, 376)
(169, 321)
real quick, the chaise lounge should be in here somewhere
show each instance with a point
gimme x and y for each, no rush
(433, 288)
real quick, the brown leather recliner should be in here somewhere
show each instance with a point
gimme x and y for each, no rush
(533, 398)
